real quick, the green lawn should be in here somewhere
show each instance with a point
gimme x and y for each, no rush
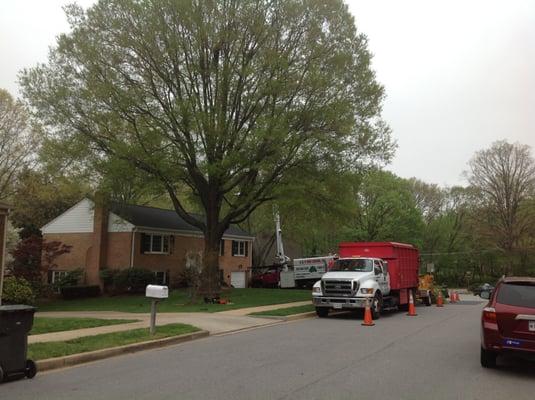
(282, 312)
(41, 351)
(48, 325)
(178, 301)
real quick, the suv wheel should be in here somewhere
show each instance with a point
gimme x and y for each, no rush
(488, 358)
(322, 312)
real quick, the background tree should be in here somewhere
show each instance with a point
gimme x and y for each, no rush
(41, 197)
(17, 142)
(226, 98)
(504, 174)
(387, 210)
(314, 210)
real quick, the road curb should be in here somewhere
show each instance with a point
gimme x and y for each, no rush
(293, 317)
(75, 359)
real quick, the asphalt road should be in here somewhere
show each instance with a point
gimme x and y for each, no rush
(432, 356)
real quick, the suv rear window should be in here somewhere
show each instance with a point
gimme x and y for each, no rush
(517, 294)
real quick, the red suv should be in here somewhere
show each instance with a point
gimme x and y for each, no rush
(508, 320)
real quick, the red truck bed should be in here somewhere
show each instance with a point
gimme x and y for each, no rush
(403, 260)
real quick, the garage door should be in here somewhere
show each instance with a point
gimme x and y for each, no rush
(237, 279)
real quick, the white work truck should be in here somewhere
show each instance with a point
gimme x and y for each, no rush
(350, 284)
(308, 270)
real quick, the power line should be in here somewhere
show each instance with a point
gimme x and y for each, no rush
(469, 252)
(459, 252)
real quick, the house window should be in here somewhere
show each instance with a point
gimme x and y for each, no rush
(55, 277)
(240, 248)
(221, 247)
(154, 243)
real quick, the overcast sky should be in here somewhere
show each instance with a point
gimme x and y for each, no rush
(458, 74)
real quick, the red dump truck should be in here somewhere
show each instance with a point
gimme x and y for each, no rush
(383, 273)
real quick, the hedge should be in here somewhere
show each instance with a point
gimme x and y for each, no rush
(78, 292)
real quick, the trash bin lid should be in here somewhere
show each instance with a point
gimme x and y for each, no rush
(16, 308)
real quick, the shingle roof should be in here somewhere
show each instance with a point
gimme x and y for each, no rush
(159, 218)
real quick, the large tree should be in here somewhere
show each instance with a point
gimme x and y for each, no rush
(504, 174)
(387, 210)
(40, 198)
(17, 142)
(226, 97)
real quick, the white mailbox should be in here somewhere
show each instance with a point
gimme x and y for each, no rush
(157, 292)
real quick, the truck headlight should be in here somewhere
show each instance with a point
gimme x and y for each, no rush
(366, 291)
(316, 289)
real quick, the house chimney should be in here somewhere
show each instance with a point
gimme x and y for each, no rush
(100, 243)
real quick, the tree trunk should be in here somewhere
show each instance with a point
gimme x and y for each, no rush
(210, 284)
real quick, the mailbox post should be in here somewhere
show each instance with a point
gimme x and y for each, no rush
(155, 293)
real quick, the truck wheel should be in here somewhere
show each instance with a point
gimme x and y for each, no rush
(31, 369)
(488, 358)
(377, 306)
(322, 312)
(1, 375)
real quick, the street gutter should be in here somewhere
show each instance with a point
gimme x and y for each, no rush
(80, 358)
(293, 317)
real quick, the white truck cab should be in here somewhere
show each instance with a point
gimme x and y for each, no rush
(350, 284)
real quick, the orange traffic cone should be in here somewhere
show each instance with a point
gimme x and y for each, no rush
(368, 320)
(440, 299)
(412, 308)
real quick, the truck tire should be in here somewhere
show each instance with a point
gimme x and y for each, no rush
(322, 312)
(488, 358)
(377, 305)
(1, 375)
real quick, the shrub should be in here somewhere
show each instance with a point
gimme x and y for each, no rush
(107, 276)
(79, 292)
(132, 280)
(72, 278)
(17, 291)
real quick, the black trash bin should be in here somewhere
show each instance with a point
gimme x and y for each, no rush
(16, 322)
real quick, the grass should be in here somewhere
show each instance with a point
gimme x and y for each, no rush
(178, 301)
(48, 325)
(282, 312)
(41, 351)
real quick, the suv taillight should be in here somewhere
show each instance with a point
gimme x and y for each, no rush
(489, 314)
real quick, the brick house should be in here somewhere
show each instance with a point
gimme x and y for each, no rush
(131, 236)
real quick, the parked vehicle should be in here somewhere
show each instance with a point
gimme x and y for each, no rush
(486, 287)
(381, 273)
(266, 277)
(307, 271)
(508, 320)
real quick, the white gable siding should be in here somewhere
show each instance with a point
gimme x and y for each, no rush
(117, 224)
(77, 219)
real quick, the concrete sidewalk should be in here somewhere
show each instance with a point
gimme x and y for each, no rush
(215, 323)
